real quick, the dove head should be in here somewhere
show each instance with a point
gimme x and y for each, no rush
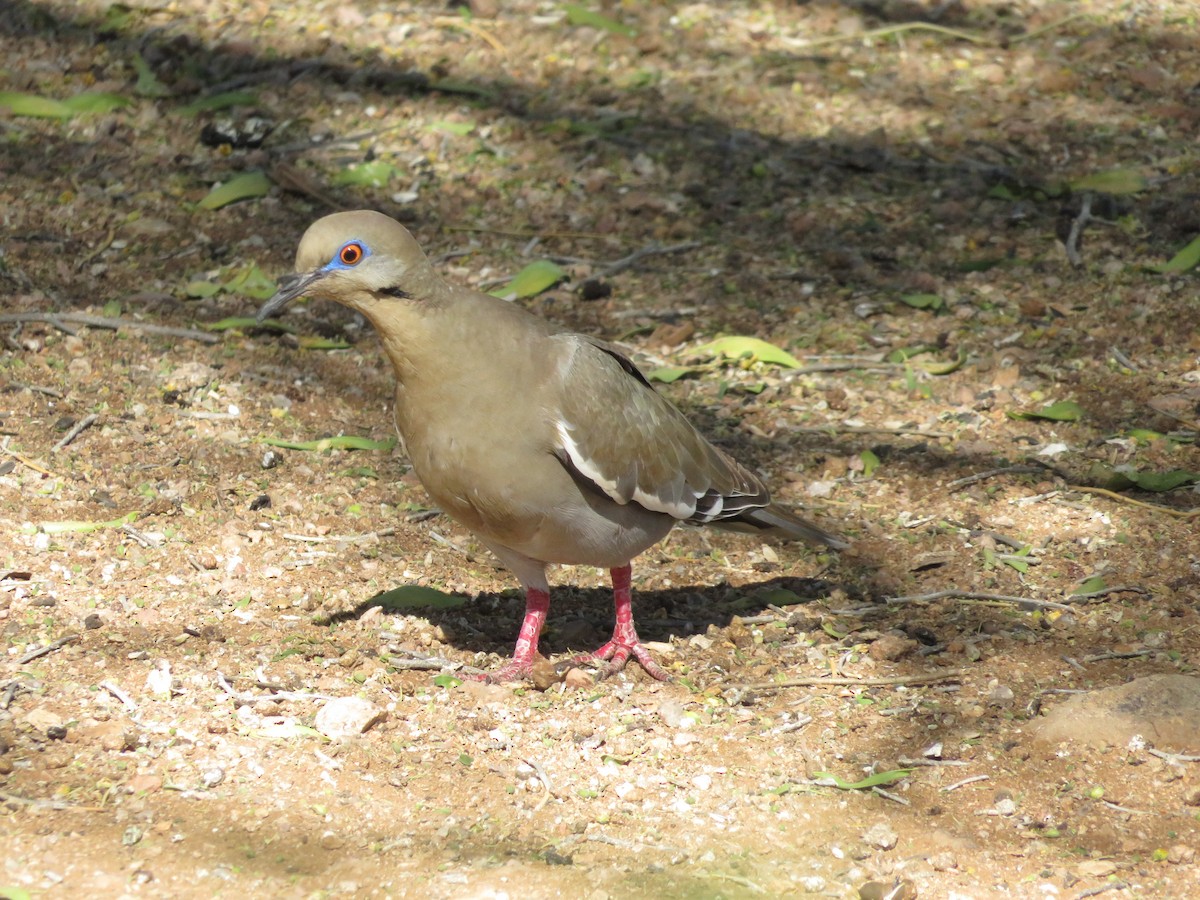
(358, 259)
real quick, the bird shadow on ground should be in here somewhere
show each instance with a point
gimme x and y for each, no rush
(581, 618)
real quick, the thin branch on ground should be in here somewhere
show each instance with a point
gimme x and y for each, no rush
(128, 702)
(76, 430)
(1173, 757)
(544, 778)
(977, 596)
(37, 389)
(249, 697)
(865, 429)
(931, 678)
(892, 30)
(1101, 657)
(1123, 360)
(1077, 226)
(998, 538)
(25, 461)
(1102, 889)
(10, 693)
(972, 780)
(141, 537)
(417, 660)
(1131, 501)
(627, 262)
(18, 800)
(340, 538)
(471, 28)
(888, 795)
(875, 366)
(991, 473)
(47, 649)
(1115, 589)
(641, 312)
(112, 323)
(1126, 809)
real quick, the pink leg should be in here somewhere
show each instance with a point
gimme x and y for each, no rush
(537, 604)
(624, 641)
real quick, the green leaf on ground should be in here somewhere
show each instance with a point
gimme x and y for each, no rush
(904, 354)
(1145, 435)
(923, 301)
(376, 173)
(1158, 482)
(532, 280)
(578, 15)
(416, 596)
(945, 368)
(462, 129)
(340, 442)
(148, 84)
(76, 527)
(1063, 411)
(251, 281)
(1183, 261)
(246, 186)
(33, 106)
(1091, 585)
(201, 289)
(95, 102)
(669, 374)
(870, 463)
(778, 597)
(316, 342)
(1114, 181)
(879, 779)
(982, 264)
(446, 680)
(1016, 560)
(248, 323)
(739, 347)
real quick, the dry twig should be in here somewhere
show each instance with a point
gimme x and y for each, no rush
(76, 430)
(340, 538)
(972, 780)
(48, 648)
(991, 473)
(128, 702)
(628, 262)
(931, 678)
(1077, 226)
(112, 323)
(1121, 498)
(976, 596)
(25, 461)
(1173, 757)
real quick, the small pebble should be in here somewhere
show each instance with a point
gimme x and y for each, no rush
(880, 836)
(346, 717)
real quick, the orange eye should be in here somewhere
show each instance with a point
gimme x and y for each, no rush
(351, 255)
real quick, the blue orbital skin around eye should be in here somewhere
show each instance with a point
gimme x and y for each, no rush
(336, 262)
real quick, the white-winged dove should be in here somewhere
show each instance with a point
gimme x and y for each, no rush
(550, 446)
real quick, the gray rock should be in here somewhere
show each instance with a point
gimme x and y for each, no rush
(1163, 710)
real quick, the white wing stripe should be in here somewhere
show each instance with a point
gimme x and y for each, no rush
(588, 469)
